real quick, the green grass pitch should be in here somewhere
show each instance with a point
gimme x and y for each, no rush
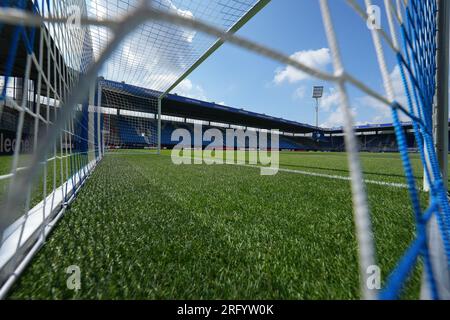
(145, 228)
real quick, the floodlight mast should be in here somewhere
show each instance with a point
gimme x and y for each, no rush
(317, 112)
(317, 94)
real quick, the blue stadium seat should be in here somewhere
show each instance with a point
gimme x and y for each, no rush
(129, 134)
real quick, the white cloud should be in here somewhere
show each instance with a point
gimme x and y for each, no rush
(330, 104)
(366, 109)
(188, 34)
(330, 100)
(317, 59)
(336, 118)
(138, 61)
(300, 93)
(399, 89)
(382, 111)
(189, 89)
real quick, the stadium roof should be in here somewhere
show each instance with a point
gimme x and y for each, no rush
(178, 106)
(192, 108)
(373, 127)
(159, 55)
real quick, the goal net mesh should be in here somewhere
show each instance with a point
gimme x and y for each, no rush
(57, 115)
(39, 67)
(130, 117)
(124, 34)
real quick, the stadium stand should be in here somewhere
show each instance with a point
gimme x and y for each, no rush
(133, 132)
(129, 134)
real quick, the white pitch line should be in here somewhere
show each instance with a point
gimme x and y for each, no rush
(313, 174)
(329, 176)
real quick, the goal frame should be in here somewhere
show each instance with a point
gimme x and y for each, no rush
(440, 131)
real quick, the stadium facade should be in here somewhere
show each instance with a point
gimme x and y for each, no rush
(130, 125)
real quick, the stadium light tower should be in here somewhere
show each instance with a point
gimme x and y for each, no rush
(317, 94)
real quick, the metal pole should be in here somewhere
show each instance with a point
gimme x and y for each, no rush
(99, 115)
(159, 125)
(91, 124)
(317, 113)
(441, 111)
(435, 244)
(317, 120)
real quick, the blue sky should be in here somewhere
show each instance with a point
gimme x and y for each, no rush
(241, 79)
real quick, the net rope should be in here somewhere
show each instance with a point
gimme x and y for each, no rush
(418, 67)
(416, 23)
(131, 120)
(39, 67)
(157, 53)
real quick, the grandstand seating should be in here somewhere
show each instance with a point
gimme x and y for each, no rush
(286, 143)
(128, 132)
(169, 127)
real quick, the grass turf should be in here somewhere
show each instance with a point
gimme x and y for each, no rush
(145, 228)
(58, 169)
